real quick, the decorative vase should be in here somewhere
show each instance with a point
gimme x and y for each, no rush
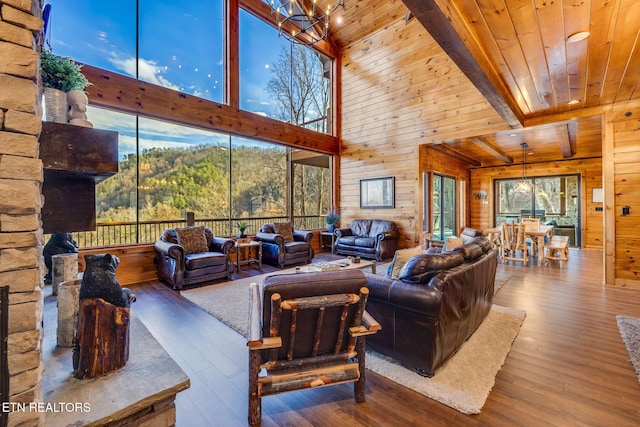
(331, 228)
(55, 105)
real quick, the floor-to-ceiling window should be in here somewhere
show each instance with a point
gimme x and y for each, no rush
(443, 207)
(553, 199)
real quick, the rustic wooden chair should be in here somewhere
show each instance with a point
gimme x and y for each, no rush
(534, 225)
(513, 240)
(310, 332)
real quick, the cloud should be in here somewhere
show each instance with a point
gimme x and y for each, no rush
(148, 70)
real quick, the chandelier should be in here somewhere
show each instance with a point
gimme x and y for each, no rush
(523, 186)
(304, 21)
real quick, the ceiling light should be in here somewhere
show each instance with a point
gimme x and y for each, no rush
(574, 102)
(513, 134)
(577, 37)
(523, 186)
(304, 21)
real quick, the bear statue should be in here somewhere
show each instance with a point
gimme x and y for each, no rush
(59, 243)
(99, 281)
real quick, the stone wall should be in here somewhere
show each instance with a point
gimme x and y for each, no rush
(21, 265)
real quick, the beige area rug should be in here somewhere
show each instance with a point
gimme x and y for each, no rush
(501, 279)
(630, 333)
(463, 383)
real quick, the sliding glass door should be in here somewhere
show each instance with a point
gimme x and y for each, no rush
(554, 200)
(443, 206)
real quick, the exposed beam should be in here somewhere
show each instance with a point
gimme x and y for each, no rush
(121, 93)
(562, 136)
(443, 32)
(566, 116)
(493, 149)
(445, 149)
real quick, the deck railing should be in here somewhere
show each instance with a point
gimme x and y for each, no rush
(131, 233)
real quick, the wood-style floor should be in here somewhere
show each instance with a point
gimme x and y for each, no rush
(568, 366)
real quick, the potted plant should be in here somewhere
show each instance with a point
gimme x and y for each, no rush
(332, 219)
(242, 227)
(59, 76)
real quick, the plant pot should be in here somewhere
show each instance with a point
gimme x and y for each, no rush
(55, 105)
(331, 228)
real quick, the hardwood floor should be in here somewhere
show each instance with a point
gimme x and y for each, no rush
(568, 366)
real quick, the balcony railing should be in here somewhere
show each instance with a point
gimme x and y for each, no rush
(131, 233)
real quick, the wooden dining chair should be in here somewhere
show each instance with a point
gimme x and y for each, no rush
(307, 330)
(513, 241)
(532, 224)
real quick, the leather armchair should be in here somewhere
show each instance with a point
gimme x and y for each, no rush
(375, 239)
(277, 252)
(178, 269)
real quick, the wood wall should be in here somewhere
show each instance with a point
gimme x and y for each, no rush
(590, 170)
(399, 91)
(621, 155)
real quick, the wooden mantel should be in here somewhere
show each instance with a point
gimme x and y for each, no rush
(74, 159)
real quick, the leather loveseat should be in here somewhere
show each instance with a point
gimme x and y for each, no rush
(368, 238)
(178, 266)
(434, 306)
(293, 247)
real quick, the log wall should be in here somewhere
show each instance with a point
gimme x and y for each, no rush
(621, 155)
(399, 91)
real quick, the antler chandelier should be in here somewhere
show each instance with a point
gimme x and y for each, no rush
(304, 21)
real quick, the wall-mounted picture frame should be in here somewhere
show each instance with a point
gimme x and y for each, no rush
(377, 193)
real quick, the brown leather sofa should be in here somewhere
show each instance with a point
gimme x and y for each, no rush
(178, 269)
(368, 238)
(278, 252)
(434, 306)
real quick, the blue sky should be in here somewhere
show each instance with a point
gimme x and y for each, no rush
(181, 43)
(180, 47)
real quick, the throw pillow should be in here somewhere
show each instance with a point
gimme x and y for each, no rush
(285, 229)
(452, 242)
(192, 239)
(399, 260)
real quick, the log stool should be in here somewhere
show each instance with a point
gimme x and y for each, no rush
(65, 267)
(557, 248)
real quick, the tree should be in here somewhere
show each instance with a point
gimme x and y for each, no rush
(298, 85)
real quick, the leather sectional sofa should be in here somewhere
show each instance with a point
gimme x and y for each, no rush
(434, 306)
(368, 238)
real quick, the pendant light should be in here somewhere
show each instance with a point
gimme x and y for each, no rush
(523, 186)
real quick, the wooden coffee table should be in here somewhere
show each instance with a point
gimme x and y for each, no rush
(339, 264)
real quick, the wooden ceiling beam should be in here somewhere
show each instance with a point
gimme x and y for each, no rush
(492, 149)
(562, 136)
(441, 29)
(445, 149)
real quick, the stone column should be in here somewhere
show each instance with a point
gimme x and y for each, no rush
(21, 176)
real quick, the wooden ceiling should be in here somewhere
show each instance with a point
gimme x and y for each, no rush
(518, 55)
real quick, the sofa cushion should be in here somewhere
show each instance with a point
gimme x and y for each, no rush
(421, 268)
(192, 239)
(285, 229)
(470, 251)
(452, 242)
(379, 226)
(347, 240)
(400, 258)
(483, 242)
(468, 234)
(365, 242)
(360, 227)
(294, 247)
(204, 259)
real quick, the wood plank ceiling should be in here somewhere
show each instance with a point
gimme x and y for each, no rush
(529, 68)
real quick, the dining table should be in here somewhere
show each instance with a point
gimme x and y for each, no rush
(538, 235)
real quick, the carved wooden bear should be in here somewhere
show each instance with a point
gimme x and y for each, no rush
(59, 243)
(99, 281)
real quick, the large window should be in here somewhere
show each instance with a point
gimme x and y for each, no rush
(443, 206)
(553, 199)
(167, 170)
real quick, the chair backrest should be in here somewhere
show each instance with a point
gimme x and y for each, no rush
(312, 313)
(513, 235)
(532, 224)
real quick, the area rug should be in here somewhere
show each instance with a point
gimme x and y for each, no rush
(501, 279)
(463, 383)
(630, 333)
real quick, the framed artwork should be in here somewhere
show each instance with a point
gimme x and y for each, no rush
(377, 193)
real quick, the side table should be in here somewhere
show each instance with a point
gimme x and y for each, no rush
(330, 236)
(250, 245)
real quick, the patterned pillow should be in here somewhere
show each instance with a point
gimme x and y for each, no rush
(192, 239)
(285, 229)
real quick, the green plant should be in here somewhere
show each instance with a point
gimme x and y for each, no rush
(242, 226)
(332, 217)
(62, 73)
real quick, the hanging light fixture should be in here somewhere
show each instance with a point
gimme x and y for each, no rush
(304, 21)
(523, 185)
